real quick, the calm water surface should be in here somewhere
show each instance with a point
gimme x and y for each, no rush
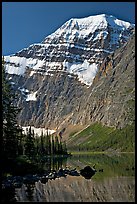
(114, 181)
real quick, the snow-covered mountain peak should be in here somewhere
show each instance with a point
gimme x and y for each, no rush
(83, 25)
(77, 47)
(90, 24)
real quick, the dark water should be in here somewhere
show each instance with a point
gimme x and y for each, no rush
(113, 181)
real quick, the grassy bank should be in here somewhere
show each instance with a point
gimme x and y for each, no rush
(98, 138)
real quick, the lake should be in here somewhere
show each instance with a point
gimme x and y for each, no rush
(113, 181)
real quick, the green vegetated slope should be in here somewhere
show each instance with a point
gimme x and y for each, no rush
(97, 137)
(110, 106)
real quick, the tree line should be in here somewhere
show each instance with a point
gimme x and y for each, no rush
(33, 145)
(14, 141)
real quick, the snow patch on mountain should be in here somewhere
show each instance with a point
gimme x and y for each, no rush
(15, 65)
(38, 131)
(85, 71)
(100, 35)
(23, 90)
(32, 96)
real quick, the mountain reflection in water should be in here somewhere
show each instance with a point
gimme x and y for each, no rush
(78, 189)
(113, 180)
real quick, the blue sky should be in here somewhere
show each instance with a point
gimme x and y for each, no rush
(25, 23)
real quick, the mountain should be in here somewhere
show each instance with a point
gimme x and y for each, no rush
(61, 82)
(78, 47)
(108, 110)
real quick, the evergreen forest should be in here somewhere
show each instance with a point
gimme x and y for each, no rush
(19, 148)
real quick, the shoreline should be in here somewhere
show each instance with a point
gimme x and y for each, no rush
(109, 152)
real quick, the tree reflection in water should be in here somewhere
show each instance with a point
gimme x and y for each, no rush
(29, 191)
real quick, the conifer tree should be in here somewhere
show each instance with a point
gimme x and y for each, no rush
(11, 130)
(29, 144)
(56, 144)
(20, 143)
(49, 144)
(37, 146)
(42, 148)
(53, 145)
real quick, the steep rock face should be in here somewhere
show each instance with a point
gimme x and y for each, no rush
(56, 98)
(111, 98)
(51, 78)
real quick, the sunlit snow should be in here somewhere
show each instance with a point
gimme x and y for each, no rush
(38, 131)
(31, 97)
(99, 35)
(85, 71)
(17, 65)
(82, 27)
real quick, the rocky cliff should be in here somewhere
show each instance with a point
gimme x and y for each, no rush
(111, 98)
